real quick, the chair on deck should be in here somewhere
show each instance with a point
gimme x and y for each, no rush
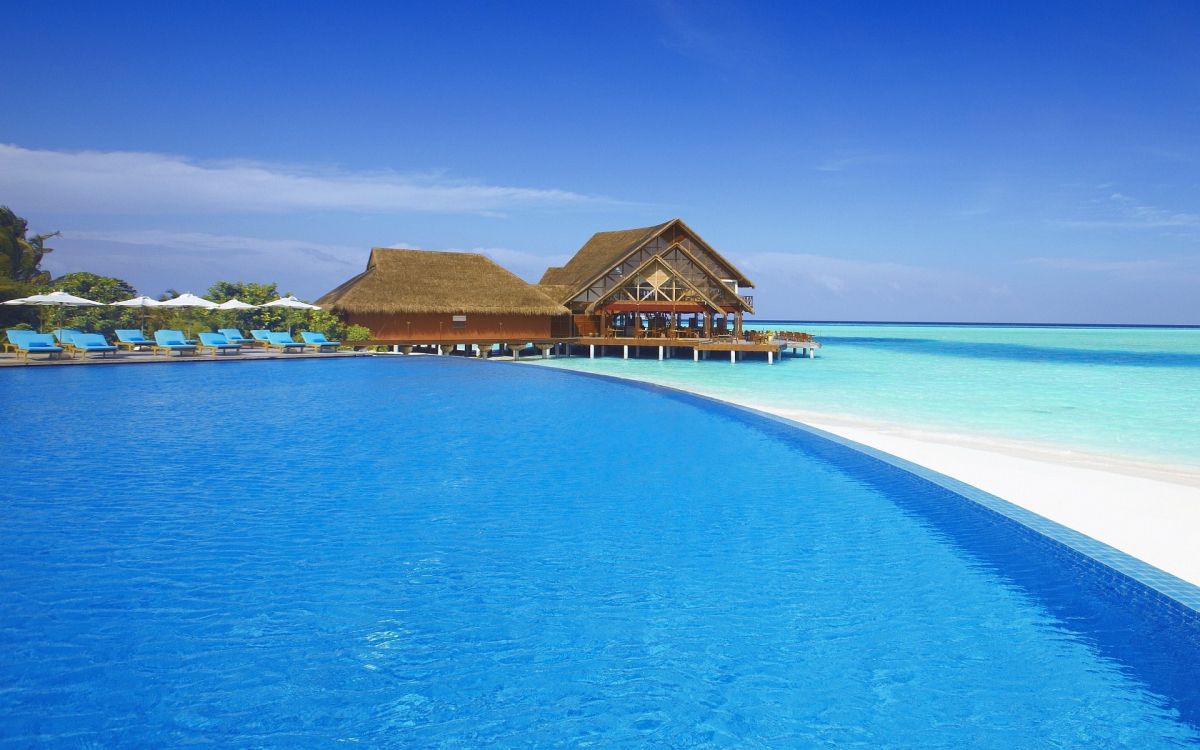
(261, 337)
(88, 343)
(12, 335)
(283, 341)
(218, 343)
(317, 340)
(64, 337)
(132, 338)
(168, 341)
(234, 336)
(28, 342)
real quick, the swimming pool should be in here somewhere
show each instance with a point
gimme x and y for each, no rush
(429, 552)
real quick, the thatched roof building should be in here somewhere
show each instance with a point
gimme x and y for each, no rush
(426, 281)
(664, 267)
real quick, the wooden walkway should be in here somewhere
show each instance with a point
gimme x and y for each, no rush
(591, 346)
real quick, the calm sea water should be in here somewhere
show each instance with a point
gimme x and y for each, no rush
(433, 552)
(1130, 392)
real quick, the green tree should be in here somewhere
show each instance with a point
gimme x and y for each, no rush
(101, 289)
(20, 265)
(269, 318)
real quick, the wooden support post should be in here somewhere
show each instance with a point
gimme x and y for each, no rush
(591, 351)
(770, 358)
(660, 353)
(812, 353)
(732, 356)
(626, 351)
(696, 355)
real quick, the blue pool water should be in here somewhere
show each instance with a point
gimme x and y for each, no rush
(1125, 392)
(435, 552)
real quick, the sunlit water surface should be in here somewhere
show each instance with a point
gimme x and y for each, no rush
(435, 552)
(1125, 392)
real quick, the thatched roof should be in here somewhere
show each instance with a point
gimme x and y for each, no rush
(426, 281)
(597, 255)
(603, 251)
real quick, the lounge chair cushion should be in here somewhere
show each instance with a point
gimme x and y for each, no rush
(169, 339)
(217, 341)
(93, 342)
(233, 335)
(316, 338)
(132, 336)
(280, 338)
(39, 342)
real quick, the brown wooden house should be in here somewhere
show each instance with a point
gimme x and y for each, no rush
(423, 296)
(661, 280)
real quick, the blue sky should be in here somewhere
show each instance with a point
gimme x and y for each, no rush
(876, 161)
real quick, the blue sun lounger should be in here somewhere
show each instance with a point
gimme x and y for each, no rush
(31, 342)
(283, 340)
(168, 341)
(234, 336)
(86, 343)
(13, 335)
(132, 338)
(317, 340)
(217, 343)
(65, 337)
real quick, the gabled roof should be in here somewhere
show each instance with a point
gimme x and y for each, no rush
(605, 250)
(656, 261)
(429, 281)
(597, 255)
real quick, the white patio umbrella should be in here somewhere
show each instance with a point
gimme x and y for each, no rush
(188, 299)
(59, 299)
(290, 302)
(236, 304)
(142, 302)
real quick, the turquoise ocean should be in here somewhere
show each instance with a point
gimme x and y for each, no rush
(1127, 392)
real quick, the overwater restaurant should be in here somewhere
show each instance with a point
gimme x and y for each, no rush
(661, 283)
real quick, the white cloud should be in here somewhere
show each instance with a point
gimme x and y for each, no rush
(1123, 212)
(132, 182)
(1102, 265)
(844, 161)
(826, 287)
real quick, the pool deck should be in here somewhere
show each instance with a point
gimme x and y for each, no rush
(146, 357)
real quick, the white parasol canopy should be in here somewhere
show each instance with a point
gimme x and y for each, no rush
(142, 301)
(290, 301)
(236, 304)
(189, 300)
(55, 299)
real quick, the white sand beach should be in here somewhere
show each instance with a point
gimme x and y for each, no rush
(1149, 511)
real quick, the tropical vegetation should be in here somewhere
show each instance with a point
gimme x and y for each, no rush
(21, 275)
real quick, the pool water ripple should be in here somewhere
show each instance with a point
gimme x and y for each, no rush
(429, 552)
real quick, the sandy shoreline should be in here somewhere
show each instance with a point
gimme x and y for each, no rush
(1150, 511)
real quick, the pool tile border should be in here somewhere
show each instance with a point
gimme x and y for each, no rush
(1173, 595)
